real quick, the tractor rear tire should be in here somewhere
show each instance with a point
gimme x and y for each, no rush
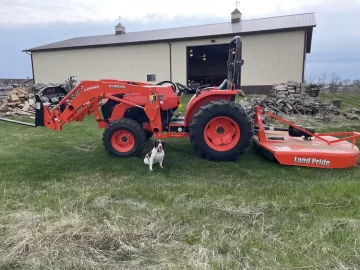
(124, 138)
(221, 130)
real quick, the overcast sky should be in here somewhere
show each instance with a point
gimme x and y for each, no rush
(25, 24)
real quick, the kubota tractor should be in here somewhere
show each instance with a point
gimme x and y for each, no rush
(218, 127)
(133, 112)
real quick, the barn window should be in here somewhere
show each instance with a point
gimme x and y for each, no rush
(151, 77)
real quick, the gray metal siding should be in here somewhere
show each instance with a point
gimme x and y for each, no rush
(122, 63)
(269, 58)
(273, 58)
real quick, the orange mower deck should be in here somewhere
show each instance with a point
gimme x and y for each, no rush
(312, 150)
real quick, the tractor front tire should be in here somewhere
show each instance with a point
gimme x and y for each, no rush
(221, 130)
(124, 138)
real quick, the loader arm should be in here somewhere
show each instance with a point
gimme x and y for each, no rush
(86, 98)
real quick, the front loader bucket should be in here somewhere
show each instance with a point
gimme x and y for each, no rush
(39, 116)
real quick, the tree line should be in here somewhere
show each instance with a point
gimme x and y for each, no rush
(333, 83)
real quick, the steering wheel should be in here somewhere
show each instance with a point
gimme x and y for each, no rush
(173, 85)
(200, 88)
(182, 88)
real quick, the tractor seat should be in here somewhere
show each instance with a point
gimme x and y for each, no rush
(224, 85)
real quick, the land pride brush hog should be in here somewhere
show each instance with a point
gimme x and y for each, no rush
(218, 127)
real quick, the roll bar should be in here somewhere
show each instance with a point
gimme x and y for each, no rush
(235, 62)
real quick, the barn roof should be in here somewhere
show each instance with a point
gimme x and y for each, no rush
(264, 25)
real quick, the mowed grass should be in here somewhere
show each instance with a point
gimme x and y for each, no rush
(349, 101)
(66, 204)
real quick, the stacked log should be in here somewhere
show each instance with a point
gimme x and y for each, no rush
(18, 102)
(292, 98)
(282, 90)
(4, 91)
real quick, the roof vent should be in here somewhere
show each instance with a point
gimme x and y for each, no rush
(236, 16)
(119, 28)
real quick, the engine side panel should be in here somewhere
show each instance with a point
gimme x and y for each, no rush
(118, 112)
(167, 97)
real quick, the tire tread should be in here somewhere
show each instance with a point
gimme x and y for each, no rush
(199, 117)
(132, 124)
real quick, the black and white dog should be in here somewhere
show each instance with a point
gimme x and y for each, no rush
(156, 155)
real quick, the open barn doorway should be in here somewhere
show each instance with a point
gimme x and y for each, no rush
(206, 65)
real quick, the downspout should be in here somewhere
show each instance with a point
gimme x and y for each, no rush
(32, 66)
(170, 61)
(304, 58)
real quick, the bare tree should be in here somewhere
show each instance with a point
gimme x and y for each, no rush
(346, 84)
(311, 79)
(356, 84)
(322, 80)
(334, 82)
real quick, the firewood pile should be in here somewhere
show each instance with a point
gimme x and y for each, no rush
(292, 98)
(4, 91)
(291, 88)
(18, 102)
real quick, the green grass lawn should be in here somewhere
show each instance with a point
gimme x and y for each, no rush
(66, 204)
(348, 100)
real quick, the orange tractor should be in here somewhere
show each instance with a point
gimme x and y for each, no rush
(218, 127)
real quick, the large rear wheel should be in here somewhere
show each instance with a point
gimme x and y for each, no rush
(221, 130)
(124, 138)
